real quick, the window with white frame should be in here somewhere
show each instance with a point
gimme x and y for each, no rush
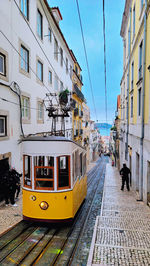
(3, 126)
(133, 21)
(50, 77)
(2, 64)
(40, 70)
(66, 65)
(61, 56)
(55, 49)
(70, 71)
(40, 111)
(24, 59)
(56, 83)
(132, 106)
(132, 75)
(61, 86)
(49, 34)
(140, 59)
(25, 8)
(25, 102)
(39, 24)
(139, 101)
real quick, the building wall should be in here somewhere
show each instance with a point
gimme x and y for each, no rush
(139, 182)
(17, 31)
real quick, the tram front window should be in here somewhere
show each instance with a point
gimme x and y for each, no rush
(27, 170)
(63, 172)
(44, 172)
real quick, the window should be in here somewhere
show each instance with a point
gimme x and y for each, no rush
(77, 163)
(70, 71)
(66, 65)
(61, 56)
(2, 64)
(63, 165)
(24, 59)
(81, 165)
(61, 86)
(50, 77)
(40, 70)
(139, 102)
(39, 24)
(76, 70)
(25, 8)
(40, 111)
(55, 49)
(133, 22)
(27, 171)
(44, 172)
(128, 42)
(56, 83)
(25, 107)
(132, 75)
(84, 164)
(131, 106)
(3, 126)
(73, 168)
(140, 59)
(49, 34)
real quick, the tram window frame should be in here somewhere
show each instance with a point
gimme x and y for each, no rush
(30, 177)
(84, 163)
(81, 164)
(74, 178)
(77, 163)
(69, 174)
(36, 179)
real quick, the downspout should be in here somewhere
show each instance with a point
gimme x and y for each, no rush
(128, 85)
(143, 104)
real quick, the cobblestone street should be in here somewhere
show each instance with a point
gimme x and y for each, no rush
(122, 231)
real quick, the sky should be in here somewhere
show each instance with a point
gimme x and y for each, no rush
(92, 21)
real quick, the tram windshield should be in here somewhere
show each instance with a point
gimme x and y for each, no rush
(44, 172)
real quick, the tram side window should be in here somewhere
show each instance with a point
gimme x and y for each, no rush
(81, 164)
(27, 171)
(73, 168)
(44, 172)
(77, 164)
(63, 171)
(84, 164)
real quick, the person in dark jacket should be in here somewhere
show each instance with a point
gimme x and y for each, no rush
(124, 172)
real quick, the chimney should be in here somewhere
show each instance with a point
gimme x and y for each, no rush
(56, 13)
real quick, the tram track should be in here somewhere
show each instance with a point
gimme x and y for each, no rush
(35, 244)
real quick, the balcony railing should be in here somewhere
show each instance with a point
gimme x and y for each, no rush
(77, 91)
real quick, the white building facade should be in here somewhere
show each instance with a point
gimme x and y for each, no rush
(35, 60)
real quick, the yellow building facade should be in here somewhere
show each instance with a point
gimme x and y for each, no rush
(135, 94)
(78, 99)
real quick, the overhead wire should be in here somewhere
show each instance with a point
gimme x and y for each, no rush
(86, 57)
(105, 73)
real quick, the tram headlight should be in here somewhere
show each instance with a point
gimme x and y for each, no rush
(44, 205)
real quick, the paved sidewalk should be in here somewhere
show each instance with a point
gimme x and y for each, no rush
(122, 231)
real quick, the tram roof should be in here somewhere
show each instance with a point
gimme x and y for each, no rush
(50, 138)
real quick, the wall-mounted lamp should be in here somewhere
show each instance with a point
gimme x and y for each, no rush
(148, 68)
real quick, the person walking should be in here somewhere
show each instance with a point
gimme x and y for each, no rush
(124, 172)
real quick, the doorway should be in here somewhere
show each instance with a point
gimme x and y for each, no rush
(137, 171)
(148, 183)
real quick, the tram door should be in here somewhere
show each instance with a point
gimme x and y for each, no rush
(3, 168)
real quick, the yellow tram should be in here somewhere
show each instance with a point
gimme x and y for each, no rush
(54, 178)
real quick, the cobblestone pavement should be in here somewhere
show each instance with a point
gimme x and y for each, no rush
(122, 231)
(10, 215)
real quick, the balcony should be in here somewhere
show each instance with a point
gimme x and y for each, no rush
(77, 91)
(76, 111)
(76, 133)
(81, 114)
(81, 131)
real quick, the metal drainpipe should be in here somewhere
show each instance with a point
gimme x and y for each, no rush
(143, 103)
(128, 85)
